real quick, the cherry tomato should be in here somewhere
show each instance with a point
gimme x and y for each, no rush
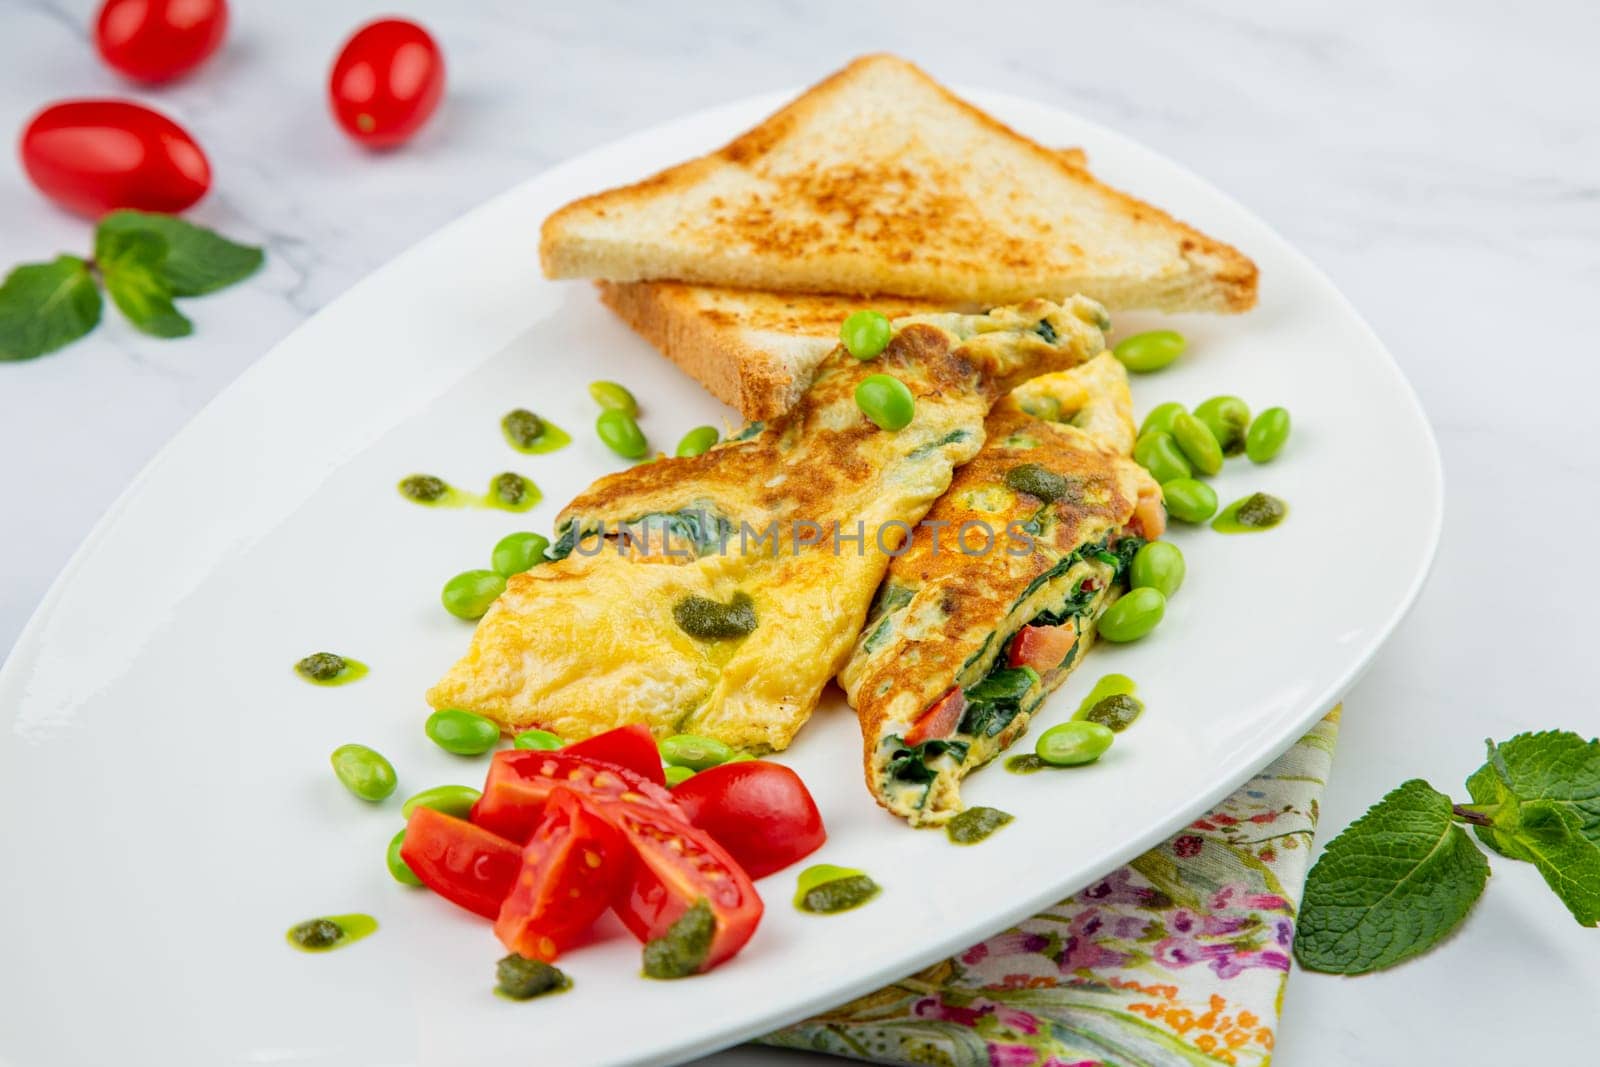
(572, 867)
(520, 781)
(940, 720)
(633, 747)
(1043, 647)
(158, 40)
(94, 156)
(674, 866)
(760, 812)
(465, 864)
(386, 81)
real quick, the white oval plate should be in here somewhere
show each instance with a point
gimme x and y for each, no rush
(166, 805)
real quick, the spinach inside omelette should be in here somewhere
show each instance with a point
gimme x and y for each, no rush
(961, 647)
(669, 605)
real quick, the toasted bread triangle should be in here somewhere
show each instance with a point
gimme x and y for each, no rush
(879, 180)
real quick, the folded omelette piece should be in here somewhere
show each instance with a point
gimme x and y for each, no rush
(717, 594)
(962, 644)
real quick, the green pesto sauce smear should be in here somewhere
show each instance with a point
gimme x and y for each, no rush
(1253, 514)
(330, 932)
(682, 950)
(1026, 764)
(975, 824)
(1116, 712)
(531, 434)
(508, 491)
(519, 978)
(328, 668)
(823, 889)
(1108, 686)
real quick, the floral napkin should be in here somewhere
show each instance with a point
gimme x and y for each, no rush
(1181, 957)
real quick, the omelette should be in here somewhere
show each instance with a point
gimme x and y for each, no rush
(717, 594)
(961, 644)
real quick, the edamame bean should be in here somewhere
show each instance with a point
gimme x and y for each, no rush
(866, 334)
(1146, 352)
(462, 733)
(454, 800)
(364, 772)
(1267, 434)
(1072, 744)
(539, 740)
(1199, 447)
(676, 774)
(469, 594)
(1188, 500)
(1159, 454)
(1133, 616)
(398, 868)
(698, 441)
(696, 753)
(518, 552)
(885, 400)
(613, 397)
(1226, 417)
(1158, 565)
(621, 434)
(1160, 418)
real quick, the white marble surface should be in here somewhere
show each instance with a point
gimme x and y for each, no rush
(1440, 160)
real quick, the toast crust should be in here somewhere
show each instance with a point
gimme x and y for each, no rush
(763, 213)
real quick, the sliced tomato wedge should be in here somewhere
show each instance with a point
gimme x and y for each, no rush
(760, 812)
(633, 747)
(465, 864)
(1043, 647)
(572, 867)
(520, 781)
(940, 720)
(1149, 514)
(676, 865)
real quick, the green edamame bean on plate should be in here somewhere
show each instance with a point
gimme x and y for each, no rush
(1267, 434)
(364, 772)
(866, 334)
(540, 740)
(1072, 744)
(698, 441)
(1159, 454)
(1134, 615)
(613, 397)
(1189, 500)
(518, 552)
(1160, 418)
(1226, 417)
(471, 593)
(696, 753)
(885, 400)
(461, 732)
(399, 870)
(1158, 565)
(454, 800)
(1150, 351)
(1199, 447)
(621, 434)
(676, 775)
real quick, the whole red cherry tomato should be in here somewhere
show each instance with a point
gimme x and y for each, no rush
(386, 82)
(158, 40)
(93, 156)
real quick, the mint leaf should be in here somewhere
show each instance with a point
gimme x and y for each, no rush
(46, 305)
(130, 262)
(1392, 885)
(198, 260)
(1542, 792)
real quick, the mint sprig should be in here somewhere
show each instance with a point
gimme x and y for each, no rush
(144, 261)
(1399, 879)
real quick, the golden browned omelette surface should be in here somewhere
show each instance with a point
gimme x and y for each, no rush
(717, 594)
(1058, 496)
